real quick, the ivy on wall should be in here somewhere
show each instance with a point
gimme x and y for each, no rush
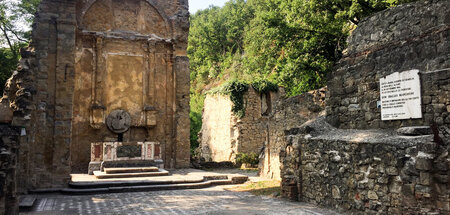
(237, 89)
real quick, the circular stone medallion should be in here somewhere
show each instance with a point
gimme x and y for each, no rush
(118, 121)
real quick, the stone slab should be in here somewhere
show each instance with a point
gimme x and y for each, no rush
(415, 131)
(130, 170)
(102, 175)
(6, 114)
(401, 96)
(27, 201)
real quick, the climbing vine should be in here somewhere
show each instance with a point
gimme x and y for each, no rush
(236, 90)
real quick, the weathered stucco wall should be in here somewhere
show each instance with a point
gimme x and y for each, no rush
(379, 170)
(224, 135)
(217, 132)
(88, 58)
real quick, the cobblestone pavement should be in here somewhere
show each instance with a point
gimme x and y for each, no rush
(211, 201)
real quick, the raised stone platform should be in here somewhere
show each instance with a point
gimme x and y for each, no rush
(82, 184)
(130, 174)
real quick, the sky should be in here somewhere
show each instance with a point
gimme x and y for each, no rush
(195, 5)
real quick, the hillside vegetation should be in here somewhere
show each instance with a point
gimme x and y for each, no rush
(291, 43)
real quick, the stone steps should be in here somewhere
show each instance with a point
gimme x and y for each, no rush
(26, 202)
(145, 188)
(102, 184)
(104, 175)
(130, 170)
(88, 188)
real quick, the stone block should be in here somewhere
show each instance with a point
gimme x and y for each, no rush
(423, 163)
(336, 192)
(426, 100)
(424, 191)
(6, 114)
(372, 195)
(408, 190)
(94, 166)
(424, 178)
(395, 187)
(428, 147)
(392, 171)
(415, 131)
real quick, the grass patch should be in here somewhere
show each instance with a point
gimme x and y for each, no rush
(249, 169)
(261, 188)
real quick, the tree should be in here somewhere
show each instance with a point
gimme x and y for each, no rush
(12, 34)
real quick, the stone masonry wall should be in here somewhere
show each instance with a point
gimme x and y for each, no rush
(40, 94)
(411, 36)
(366, 172)
(9, 153)
(252, 128)
(289, 113)
(377, 169)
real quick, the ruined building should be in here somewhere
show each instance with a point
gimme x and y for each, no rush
(261, 130)
(102, 80)
(224, 135)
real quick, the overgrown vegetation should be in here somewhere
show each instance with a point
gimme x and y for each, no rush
(247, 158)
(264, 86)
(290, 43)
(236, 90)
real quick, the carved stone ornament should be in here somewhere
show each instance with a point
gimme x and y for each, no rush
(118, 121)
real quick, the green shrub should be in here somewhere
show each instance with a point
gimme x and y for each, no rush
(264, 86)
(250, 158)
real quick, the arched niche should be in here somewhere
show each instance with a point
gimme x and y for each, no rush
(136, 16)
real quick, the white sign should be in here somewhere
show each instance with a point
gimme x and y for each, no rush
(400, 96)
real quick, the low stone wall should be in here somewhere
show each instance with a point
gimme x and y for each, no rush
(366, 171)
(9, 149)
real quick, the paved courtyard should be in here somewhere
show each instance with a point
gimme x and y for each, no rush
(211, 201)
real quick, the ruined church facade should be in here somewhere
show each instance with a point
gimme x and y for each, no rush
(97, 74)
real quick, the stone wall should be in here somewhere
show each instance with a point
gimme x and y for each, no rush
(380, 170)
(83, 63)
(411, 36)
(366, 171)
(224, 135)
(9, 152)
(289, 113)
